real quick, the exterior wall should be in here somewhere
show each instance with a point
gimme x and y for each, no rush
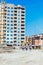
(9, 17)
(36, 42)
(41, 41)
(2, 23)
(19, 23)
(12, 24)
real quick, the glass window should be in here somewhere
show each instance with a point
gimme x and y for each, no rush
(11, 42)
(11, 31)
(18, 24)
(15, 38)
(7, 27)
(11, 7)
(7, 38)
(15, 34)
(11, 38)
(18, 28)
(8, 10)
(11, 11)
(11, 35)
(11, 17)
(18, 21)
(18, 31)
(4, 30)
(11, 28)
(7, 34)
(8, 31)
(18, 38)
(7, 41)
(18, 14)
(18, 35)
(18, 18)
(11, 21)
(8, 24)
(8, 7)
(18, 11)
(18, 42)
(11, 14)
(11, 24)
(7, 17)
(8, 21)
(15, 24)
(8, 14)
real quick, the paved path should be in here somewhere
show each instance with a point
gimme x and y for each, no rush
(33, 57)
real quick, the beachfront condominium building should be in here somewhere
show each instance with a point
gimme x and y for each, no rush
(12, 23)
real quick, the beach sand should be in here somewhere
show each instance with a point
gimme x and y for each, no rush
(22, 57)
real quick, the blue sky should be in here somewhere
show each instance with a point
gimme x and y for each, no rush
(34, 15)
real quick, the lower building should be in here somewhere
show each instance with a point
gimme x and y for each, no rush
(35, 40)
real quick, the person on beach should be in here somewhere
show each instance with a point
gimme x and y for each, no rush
(30, 46)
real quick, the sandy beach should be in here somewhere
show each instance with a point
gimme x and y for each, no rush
(20, 57)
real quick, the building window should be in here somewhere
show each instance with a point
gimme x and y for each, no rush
(15, 34)
(11, 11)
(11, 28)
(8, 7)
(11, 42)
(8, 21)
(11, 38)
(15, 24)
(22, 31)
(4, 30)
(15, 21)
(11, 24)
(11, 21)
(8, 14)
(23, 8)
(7, 34)
(11, 14)
(18, 28)
(11, 17)
(11, 31)
(8, 10)
(7, 38)
(7, 31)
(22, 34)
(18, 38)
(18, 31)
(7, 27)
(18, 24)
(8, 18)
(22, 12)
(11, 7)
(15, 11)
(22, 38)
(11, 35)
(18, 21)
(18, 18)
(18, 14)
(8, 24)
(18, 11)
(15, 27)
(7, 41)
(22, 24)
(15, 14)
(15, 31)
(15, 17)
(15, 38)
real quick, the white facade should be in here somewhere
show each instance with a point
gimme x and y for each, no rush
(14, 18)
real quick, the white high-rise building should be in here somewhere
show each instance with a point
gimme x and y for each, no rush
(12, 24)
